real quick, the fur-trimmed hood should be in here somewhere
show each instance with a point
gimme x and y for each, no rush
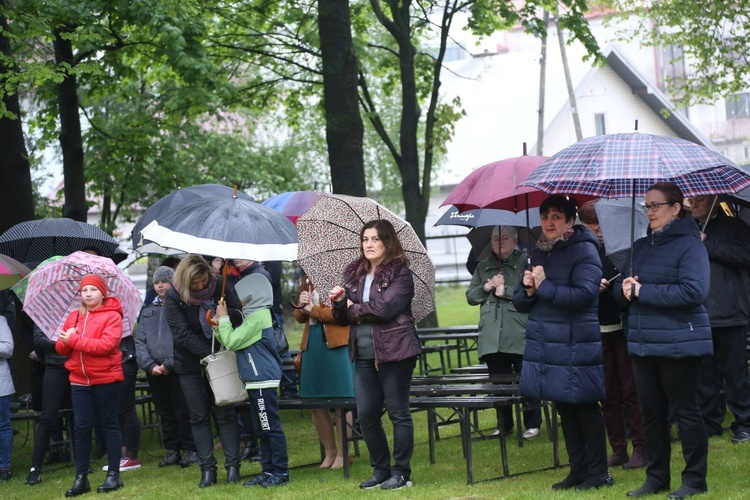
(384, 273)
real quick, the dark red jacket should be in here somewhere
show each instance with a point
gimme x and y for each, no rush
(94, 350)
(394, 335)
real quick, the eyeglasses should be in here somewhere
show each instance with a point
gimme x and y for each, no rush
(653, 206)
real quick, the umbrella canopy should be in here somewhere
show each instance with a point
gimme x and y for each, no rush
(293, 203)
(11, 271)
(498, 185)
(614, 221)
(481, 240)
(37, 240)
(625, 165)
(329, 241)
(172, 203)
(228, 227)
(488, 217)
(53, 291)
(20, 288)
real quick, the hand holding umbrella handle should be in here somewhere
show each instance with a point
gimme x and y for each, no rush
(210, 315)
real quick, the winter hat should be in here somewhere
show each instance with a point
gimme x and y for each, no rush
(95, 280)
(164, 274)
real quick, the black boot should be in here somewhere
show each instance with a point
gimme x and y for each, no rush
(233, 474)
(111, 483)
(208, 478)
(80, 486)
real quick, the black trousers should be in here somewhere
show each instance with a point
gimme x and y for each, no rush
(585, 438)
(503, 363)
(727, 370)
(130, 424)
(659, 383)
(174, 417)
(56, 395)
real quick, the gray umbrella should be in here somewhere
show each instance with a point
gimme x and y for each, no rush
(229, 227)
(488, 217)
(615, 217)
(171, 203)
(38, 240)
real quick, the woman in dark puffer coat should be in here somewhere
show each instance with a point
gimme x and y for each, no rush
(563, 355)
(668, 333)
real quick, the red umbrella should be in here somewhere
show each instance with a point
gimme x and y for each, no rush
(496, 185)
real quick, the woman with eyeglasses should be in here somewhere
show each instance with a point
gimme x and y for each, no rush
(562, 360)
(668, 333)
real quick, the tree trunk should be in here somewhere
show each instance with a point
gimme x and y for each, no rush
(569, 83)
(16, 193)
(344, 127)
(542, 86)
(71, 139)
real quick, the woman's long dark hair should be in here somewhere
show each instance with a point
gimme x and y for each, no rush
(387, 234)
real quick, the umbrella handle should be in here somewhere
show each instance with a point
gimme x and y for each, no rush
(224, 271)
(293, 296)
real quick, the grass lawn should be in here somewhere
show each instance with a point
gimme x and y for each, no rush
(728, 475)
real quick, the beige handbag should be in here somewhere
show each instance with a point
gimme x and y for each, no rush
(221, 370)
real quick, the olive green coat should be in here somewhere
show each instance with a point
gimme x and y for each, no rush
(501, 327)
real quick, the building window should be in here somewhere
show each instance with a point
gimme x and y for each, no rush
(672, 65)
(738, 106)
(601, 124)
(747, 153)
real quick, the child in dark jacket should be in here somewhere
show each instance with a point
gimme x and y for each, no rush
(259, 367)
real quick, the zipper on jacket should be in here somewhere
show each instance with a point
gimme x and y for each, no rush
(83, 334)
(691, 326)
(252, 363)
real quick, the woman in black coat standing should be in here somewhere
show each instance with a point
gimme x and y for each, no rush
(376, 302)
(186, 305)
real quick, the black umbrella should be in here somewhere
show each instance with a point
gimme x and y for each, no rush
(37, 240)
(229, 227)
(172, 203)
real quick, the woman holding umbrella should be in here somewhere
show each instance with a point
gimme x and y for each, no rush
(186, 305)
(668, 334)
(502, 329)
(562, 359)
(376, 302)
(91, 338)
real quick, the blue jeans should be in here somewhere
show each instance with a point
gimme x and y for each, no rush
(267, 422)
(6, 432)
(389, 384)
(200, 403)
(96, 403)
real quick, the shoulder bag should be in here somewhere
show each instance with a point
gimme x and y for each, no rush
(223, 376)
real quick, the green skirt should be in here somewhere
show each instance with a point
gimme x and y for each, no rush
(326, 373)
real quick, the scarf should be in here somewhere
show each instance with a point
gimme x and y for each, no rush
(545, 244)
(203, 299)
(315, 299)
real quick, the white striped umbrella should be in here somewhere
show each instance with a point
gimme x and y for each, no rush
(53, 291)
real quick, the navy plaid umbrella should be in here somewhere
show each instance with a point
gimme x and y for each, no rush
(37, 240)
(626, 165)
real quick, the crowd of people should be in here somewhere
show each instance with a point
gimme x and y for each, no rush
(621, 352)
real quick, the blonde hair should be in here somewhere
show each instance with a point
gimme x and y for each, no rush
(192, 268)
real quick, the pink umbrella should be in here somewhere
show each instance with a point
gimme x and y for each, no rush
(11, 271)
(53, 291)
(496, 185)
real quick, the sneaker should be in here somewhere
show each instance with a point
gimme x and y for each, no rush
(126, 464)
(34, 477)
(395, 483)
(531, 433)
(276, 479)
(257, 479)
(496, 432)
(171, 458)
(189, 459)
(372, 482)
